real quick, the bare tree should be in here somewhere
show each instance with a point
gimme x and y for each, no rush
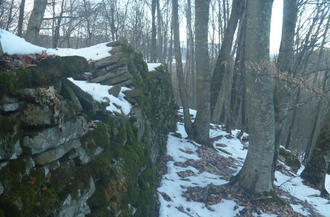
(153, 51)
(255, 177)
(222, 75)
(34, 24)
(20, 19)
(284, 64)
(179, 69)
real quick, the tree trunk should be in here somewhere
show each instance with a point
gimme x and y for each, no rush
(225, 59)
(284, 65)
(20, 18)
(160, 37)
(201, 125)
(56, 35)
(87, 13)
(317, 166)
(153, 51)
(33, 28)
(238, 91)
(190, 62)
(255, 176)
(179, 69)
(10, 15)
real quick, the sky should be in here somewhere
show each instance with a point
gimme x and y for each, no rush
(181, 150)
(276, 26)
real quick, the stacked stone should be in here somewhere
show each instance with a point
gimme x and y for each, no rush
(54, 160)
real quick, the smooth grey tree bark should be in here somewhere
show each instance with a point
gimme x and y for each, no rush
(153, 48)
(20, 18)
(224, 58)
(159, 33)
(284, 65)
(33, 28)
(179, 68)
(199, 130)
(255, 176)
(238, 92)
(222, 78)
(201, 125)
(190, 59)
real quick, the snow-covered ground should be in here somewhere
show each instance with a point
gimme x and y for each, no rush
(181, 150)
(172, 189)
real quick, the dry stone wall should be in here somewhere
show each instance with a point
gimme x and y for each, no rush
(63, 154)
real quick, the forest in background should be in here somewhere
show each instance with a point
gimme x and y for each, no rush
(294, 83)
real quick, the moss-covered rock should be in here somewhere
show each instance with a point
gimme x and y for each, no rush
(316, 168)
(113, 171)
(290, 159)
(24, 194)
(47, 73)
(10, 136)
(7, 83)
(123, 170)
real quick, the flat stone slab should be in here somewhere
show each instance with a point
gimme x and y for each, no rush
(56, 153)
(53, 137)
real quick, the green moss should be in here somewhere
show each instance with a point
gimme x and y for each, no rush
(46, 201)
(6, 83)
(31, 77)
(60, 179)
(46, 73)
(274, 198)
(7, 125)
(124, 171)
(69, 66)
(100, 135)
(17, 166)
(2, 213)
(19, 197)
(290, 159)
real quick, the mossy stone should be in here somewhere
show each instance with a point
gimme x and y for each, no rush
(6, 83)
(290, 159)
(20, 195)
(47, 72)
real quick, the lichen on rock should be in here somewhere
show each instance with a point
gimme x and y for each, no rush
(80, 159)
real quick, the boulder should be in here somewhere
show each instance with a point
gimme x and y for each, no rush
(133, 93)
(111, 60)
(53, 137)
(46, 115)
(8, 99)
(37, 115)
(120, 76)
(68, 93)
(11, 107)
(86, 100)
(115, 90)
(56, 153)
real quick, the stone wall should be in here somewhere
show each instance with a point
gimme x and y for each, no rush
(63, 154)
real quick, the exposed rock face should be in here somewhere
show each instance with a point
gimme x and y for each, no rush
(63, 154)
